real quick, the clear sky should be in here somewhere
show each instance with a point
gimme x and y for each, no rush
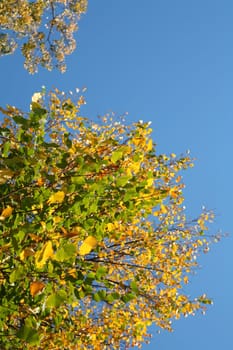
(170, 62)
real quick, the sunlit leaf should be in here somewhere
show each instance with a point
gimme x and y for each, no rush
(150, 145)
(57, 197)
(6, 212)
(116, 156)
(88, 245)
(44, 254)
(36, 287)
(98, 247)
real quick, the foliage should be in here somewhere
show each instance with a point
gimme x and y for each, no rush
(94, 242)
(44, 27)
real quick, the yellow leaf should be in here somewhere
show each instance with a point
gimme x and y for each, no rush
(110, 226)
(57, 197)
(6, 213)
(57, 219)
(149, 182)
(36, 287)
(35, 237)
(150, 145)
(174, 192)
(73, 272)
(88, 244)
(134, 167)
(43, 224)
(44, 254)
(163, 209)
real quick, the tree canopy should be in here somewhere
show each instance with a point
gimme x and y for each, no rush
(43, 28)
(95, 245)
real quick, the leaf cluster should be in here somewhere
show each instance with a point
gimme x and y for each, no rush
(94, 242)
(43, 28)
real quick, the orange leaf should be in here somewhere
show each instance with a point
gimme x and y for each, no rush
(36, 287)
(6, 213)
(40, 181)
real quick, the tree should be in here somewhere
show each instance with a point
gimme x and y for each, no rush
(94, 245)
(44, 27)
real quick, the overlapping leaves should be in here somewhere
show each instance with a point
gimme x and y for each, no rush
(95, 244)
(44, 29)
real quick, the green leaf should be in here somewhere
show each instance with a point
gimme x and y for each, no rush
(100, 272)
(100, 295)
(112, 297)
(123, 180)
(67, 140)
(38, 111)
(22, 121)
(78, 180)
(17, 274)
(6, 149)
(67, 252)
(134, 287)
(127, 297)
(56, 299)
(29, 333)
(204, 300)
(116, 156)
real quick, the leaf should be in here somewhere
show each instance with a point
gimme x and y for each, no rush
(100, 295)
(6, 213)
(128, 297)
(40, 181)
(17, 274)
(123, 180)
(88, 244)
(101, 272)
(163, 209)
(6, 148)
(134, 287)
(150, 145)
(22, 121)
(110, 226)
(5, 175)
(134, 167)
(25, 253)
(67, 252)
(116, 156)
(29, 333)
(44, 254)
(57, 197)
(204, 300)
(56, 299)
(36, 287)
(150, 182)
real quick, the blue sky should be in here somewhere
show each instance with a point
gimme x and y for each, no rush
(170, 62)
